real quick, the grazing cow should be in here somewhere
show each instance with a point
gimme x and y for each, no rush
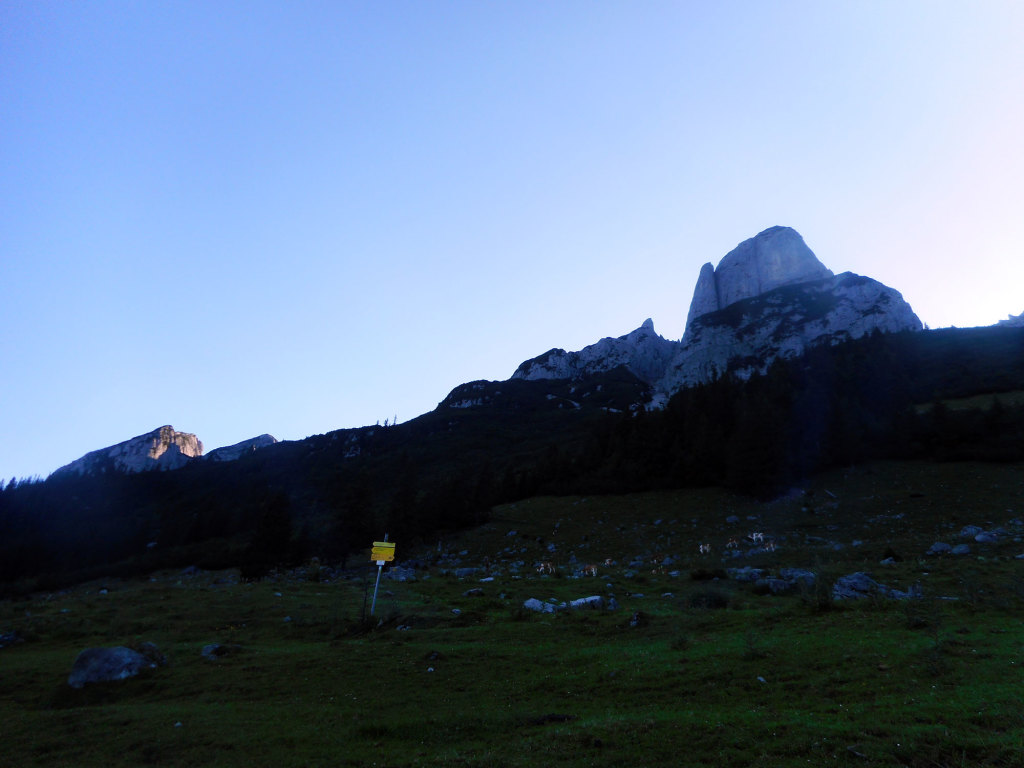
(546, 567)
(732, 544)
(590, 570)
(705, 549)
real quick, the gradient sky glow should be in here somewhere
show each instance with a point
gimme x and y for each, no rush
(292, 217)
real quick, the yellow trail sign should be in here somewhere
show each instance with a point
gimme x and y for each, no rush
(383, 550)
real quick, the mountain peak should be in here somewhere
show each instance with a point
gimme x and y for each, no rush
(163, 448)
(771, 259)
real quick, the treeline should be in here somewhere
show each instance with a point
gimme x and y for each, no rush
(331, 495)
(831, 407)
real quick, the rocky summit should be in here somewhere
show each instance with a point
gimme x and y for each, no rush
(769, 298)
(774, 258)
(163, 448)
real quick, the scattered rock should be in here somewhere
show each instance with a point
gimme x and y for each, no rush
(215, 651)
(594, 601)
(398, 573)
(475, 592)
(859, 585)
(960, 549)
(10, 638)
(638, 619)
(986, 538)
(746, 574)
(970, 531)
(533, 604)
(854, 586)
(94, 665)
(939, 548)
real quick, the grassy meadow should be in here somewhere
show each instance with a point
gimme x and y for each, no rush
(692, 669)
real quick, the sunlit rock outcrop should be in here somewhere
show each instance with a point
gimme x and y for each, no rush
(163, 448)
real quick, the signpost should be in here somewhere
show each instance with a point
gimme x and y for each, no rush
(382, 552)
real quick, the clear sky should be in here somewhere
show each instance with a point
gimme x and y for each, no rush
(293, 217)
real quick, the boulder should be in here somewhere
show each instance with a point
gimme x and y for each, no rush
(94, 665)
(939, 548)
(746, 574)
(855, 586)
(594, 601)
(215, 651)
(859, 585)
(10, 638)
(398, 573)
(533, 604)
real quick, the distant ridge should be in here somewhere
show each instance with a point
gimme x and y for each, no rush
(162, 449)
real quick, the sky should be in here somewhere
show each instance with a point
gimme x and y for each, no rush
(293, 217)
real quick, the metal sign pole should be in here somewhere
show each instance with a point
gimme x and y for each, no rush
(380, 567)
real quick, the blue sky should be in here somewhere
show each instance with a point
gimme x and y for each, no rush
(293, 217)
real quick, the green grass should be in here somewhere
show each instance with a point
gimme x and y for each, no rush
(754, 680)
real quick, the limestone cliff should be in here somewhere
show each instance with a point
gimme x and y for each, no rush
(163, 448)
(643, 352)
(745, 337)
(769, 298)
(771, 259)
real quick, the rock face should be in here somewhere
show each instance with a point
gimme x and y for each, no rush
(746, 336)
(1013, 321)
(772, 259)
(238, 450)
(769, 298)
(643, 352)
(163, 448)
